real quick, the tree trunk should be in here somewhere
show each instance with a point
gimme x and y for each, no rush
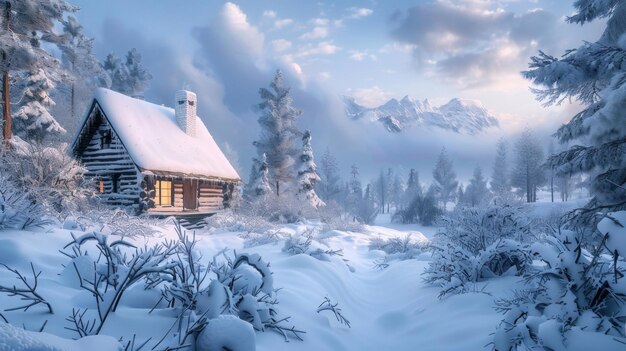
(6, 87)
(6, 111)
(552, 183)
(277, 189)
(528, 190)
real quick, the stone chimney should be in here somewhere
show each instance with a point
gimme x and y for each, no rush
(185, 107)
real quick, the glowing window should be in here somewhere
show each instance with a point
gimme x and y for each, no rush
(163, 193)
(101, 186)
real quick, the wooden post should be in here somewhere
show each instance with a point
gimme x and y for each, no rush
(6, 88)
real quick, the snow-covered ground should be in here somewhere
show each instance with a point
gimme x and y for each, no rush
(387, 308)
(390, 308)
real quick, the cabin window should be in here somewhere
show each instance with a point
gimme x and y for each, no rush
(101, 185)
(116, 180)
(105, 140)
(163, 193)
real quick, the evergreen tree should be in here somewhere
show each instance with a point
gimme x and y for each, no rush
(413, 187)
(328, 187)
(138, 76)
(476, 191)
(500, 185)
(33, 120)
(79, 60)
(528, 173)
(355, 191)
(129, 77)
(278, 131)
(383, 190)
(261, 184)
(25, 25)
(307, 172)
(593, 75)
(445, 179)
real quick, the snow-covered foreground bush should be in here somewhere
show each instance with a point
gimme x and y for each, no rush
(398, 248)
(479, 243)
(49, 176)
(17, 210)
(572, 291)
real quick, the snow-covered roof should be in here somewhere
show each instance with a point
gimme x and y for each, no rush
(156, 143)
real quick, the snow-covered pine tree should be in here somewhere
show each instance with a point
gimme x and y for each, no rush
(118, 75)
(476, 191)
(138, 76)
(33, 120)
(25, 25)
(382, 190)
(528, 173)
(413, 187)
(499, 183)
(307, 173)
(355, 191)
(328, 188)
(445, 179)
(79, 60)
(261, 184)
(278, 131)
(594, 75)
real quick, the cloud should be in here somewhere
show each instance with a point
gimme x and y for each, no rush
(280, 45)
(269, 14)
(319, 21)
(357, 55)
(315, 33)
(473, 43)
(356, 13)
(322, 48)
(371, 97)
(279, 24)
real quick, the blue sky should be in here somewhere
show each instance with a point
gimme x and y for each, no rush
(372, 50)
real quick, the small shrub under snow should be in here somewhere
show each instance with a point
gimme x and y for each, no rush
(479, 243)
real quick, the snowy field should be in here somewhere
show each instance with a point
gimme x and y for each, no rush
(388, 307)
(385, 307)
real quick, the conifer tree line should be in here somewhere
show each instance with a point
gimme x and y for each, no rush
(44, 93)
(286, 167)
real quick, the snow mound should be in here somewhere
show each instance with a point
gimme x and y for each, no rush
(17, 339)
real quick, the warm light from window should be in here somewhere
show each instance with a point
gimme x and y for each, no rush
(163, 193)
(101, 186)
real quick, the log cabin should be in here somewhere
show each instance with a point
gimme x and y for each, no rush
(158, 160)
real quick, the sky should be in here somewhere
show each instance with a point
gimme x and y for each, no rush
(370, 50)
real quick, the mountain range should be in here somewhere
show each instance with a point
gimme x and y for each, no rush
(459, 115)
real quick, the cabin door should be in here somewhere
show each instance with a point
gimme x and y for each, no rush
(190, 195)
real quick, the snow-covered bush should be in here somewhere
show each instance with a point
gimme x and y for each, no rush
(245, 286)
(307, 243)
(119, 266)
(422, 209)
(335, 217)
(17, 210)
(101, 218)
(398, 248)
(243, 220)
(49, 175)
(479, 243)
(573, 290)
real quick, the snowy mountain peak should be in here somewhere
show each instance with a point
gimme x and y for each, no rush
(459, 115)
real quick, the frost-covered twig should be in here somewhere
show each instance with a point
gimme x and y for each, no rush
(130, 345)
(79, 325)
(29, 293)
(327, 305)
(284, 331)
